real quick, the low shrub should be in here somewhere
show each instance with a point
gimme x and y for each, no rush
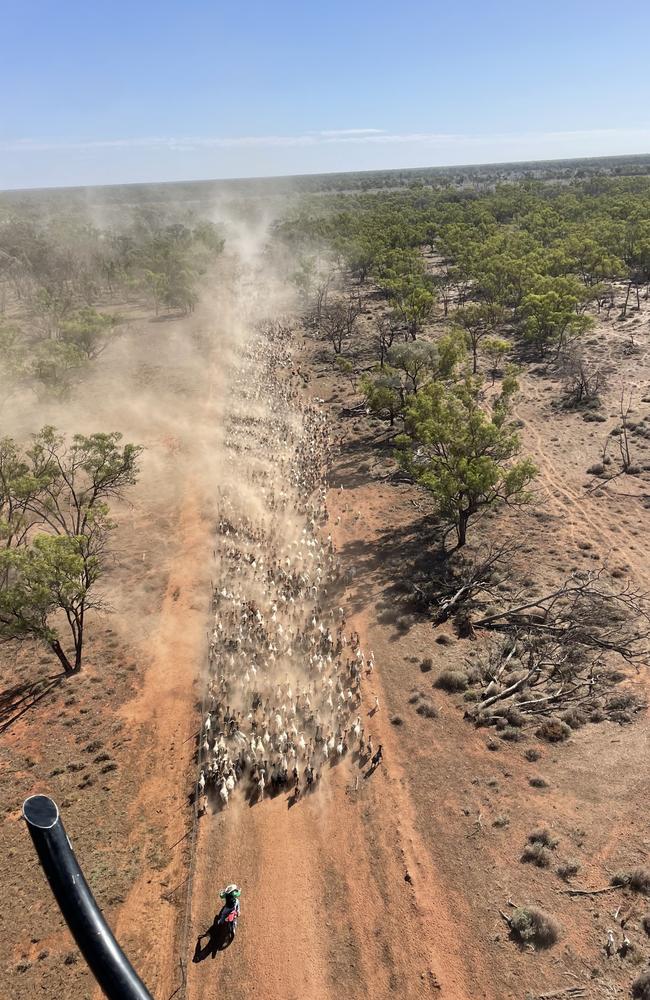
(511, 734)
(444, 639)
(568, 869)
(641, 986)
(620, 702)
(534, 926)
(532, 754)
(426, 665)
(574, 717)
(637, 880)
(515, 717)
(452, 680)
(553, 730)
(536, 854)
(501, 821)
(538, 783)
(543, 836)
(427, 709)
(645, 923)
(640, 881)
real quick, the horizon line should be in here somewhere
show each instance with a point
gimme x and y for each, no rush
(326, 173)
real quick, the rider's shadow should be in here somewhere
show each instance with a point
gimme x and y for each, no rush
(219, 938)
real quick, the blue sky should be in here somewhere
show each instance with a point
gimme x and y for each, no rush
(111, 92)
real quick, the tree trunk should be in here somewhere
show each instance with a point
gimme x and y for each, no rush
(78, 641)
(461, 527)
(55, 645)
(629, 289)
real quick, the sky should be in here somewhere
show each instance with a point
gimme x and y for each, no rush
(107, 91)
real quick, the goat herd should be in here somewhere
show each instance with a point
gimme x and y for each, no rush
(283, 696)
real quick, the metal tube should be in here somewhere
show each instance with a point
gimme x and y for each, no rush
(106, 960)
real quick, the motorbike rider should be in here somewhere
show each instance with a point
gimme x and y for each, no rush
(230, 909)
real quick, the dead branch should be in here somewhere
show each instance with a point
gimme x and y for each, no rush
(558, 654)
(466, 579)
(590, 892)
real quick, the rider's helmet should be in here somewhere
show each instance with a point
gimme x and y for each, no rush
(231, 892)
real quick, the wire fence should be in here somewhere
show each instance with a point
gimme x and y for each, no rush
(180, 993)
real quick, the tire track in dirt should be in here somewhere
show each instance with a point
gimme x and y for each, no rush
(571, 505)
(430, 908)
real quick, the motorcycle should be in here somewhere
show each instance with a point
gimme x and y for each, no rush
(228, 921)
(229, 913)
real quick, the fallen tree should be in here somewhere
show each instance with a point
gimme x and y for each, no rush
(552, 659)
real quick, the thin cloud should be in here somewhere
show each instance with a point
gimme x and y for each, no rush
(334, 132)
(325, 137)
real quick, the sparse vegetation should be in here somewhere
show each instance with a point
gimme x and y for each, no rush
(452, 680)
(567, 869)
(641, 987)
(537, 854)
(543, 836)
(427, 709)
(533, 926)
(637, 880)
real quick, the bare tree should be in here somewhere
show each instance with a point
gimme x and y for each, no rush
(584, 383)
(388, 327)
(338, 321)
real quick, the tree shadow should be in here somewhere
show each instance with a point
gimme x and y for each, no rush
(16, 701)
(402, 560)
(219, 938)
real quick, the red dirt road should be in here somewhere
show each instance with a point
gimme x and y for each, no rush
(340, 897)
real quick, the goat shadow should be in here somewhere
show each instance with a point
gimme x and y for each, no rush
(219, 938)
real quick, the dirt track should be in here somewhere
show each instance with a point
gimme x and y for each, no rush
(327, 910)
(340, 894)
